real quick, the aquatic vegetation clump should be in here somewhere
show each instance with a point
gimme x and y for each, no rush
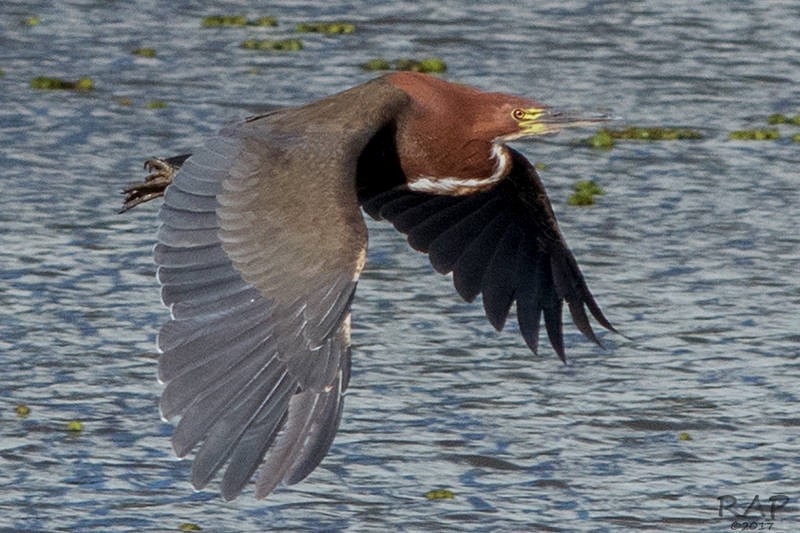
(32, 21)
(606, 138)
(218, 21)
(284, 45)
(584, 193)
(376, 64)
(326, 28)
(156, 104)
(439, 494)
(189, 526)
(48, 83)
(429, 65)
(263, 21)
(22, 410)
(144, 52)
(796, 138)
(215, 21)
(779, 118)
(602, 140)
(74, 426)
(659, 134)
(769, 134)
(683, 435)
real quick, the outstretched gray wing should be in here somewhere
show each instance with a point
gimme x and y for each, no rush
(260, 248)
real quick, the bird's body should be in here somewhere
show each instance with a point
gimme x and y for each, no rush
(262, 243)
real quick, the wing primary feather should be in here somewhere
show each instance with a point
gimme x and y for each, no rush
(182, 238)
(499, 281)
(226, 433)
(177, 332)
(408, 214)
(194, 384)
(288, 443)
(373, 204)
(191, 256)
(471, 266)
(320, 435)
(552, 307)
(182, 219)
(248, 454)
(196, 292)
(209, 273)
(236, 300)
(175, 197)
(447, 248)
(241, 336)
(529, 297)
(207, 404)
(555, 328)
(438, 217)
(581, 321)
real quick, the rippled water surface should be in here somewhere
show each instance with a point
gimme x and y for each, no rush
(693, 253)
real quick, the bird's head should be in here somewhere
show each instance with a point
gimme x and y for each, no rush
(451, 130)
(494, 117)
(504, 118)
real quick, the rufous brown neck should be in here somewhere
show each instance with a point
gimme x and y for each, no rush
(442, 142)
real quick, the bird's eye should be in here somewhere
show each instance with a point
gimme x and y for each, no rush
(518, 114)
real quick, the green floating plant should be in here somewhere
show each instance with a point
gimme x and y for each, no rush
(602, 139)
(74, 426)
(263, 21)
(48, 83)
(285, 45)
(376, 64)
(327, 28)
(156, 104)
(779, 118)
(606, 138)
(769, 134)
(429, 65)
(144, 52)
(215, 21)
(584, 193)
(439, 494)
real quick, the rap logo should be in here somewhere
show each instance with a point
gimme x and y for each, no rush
(777, 502)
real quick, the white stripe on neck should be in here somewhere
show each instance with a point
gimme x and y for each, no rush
(460, 186)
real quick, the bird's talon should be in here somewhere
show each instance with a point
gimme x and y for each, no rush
(153, 186)
(157, 167)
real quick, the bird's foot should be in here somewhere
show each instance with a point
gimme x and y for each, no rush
(161, 173)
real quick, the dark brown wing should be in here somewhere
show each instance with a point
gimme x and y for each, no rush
(259, 252)
(503, 243)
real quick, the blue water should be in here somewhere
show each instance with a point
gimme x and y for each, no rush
(693, 254)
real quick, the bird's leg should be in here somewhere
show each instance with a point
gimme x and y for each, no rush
(161, 173)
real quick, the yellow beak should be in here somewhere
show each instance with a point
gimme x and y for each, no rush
(546, 121)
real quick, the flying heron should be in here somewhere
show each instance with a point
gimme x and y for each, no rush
(262, 242)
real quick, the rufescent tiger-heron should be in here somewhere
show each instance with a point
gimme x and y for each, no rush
(262, 242)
